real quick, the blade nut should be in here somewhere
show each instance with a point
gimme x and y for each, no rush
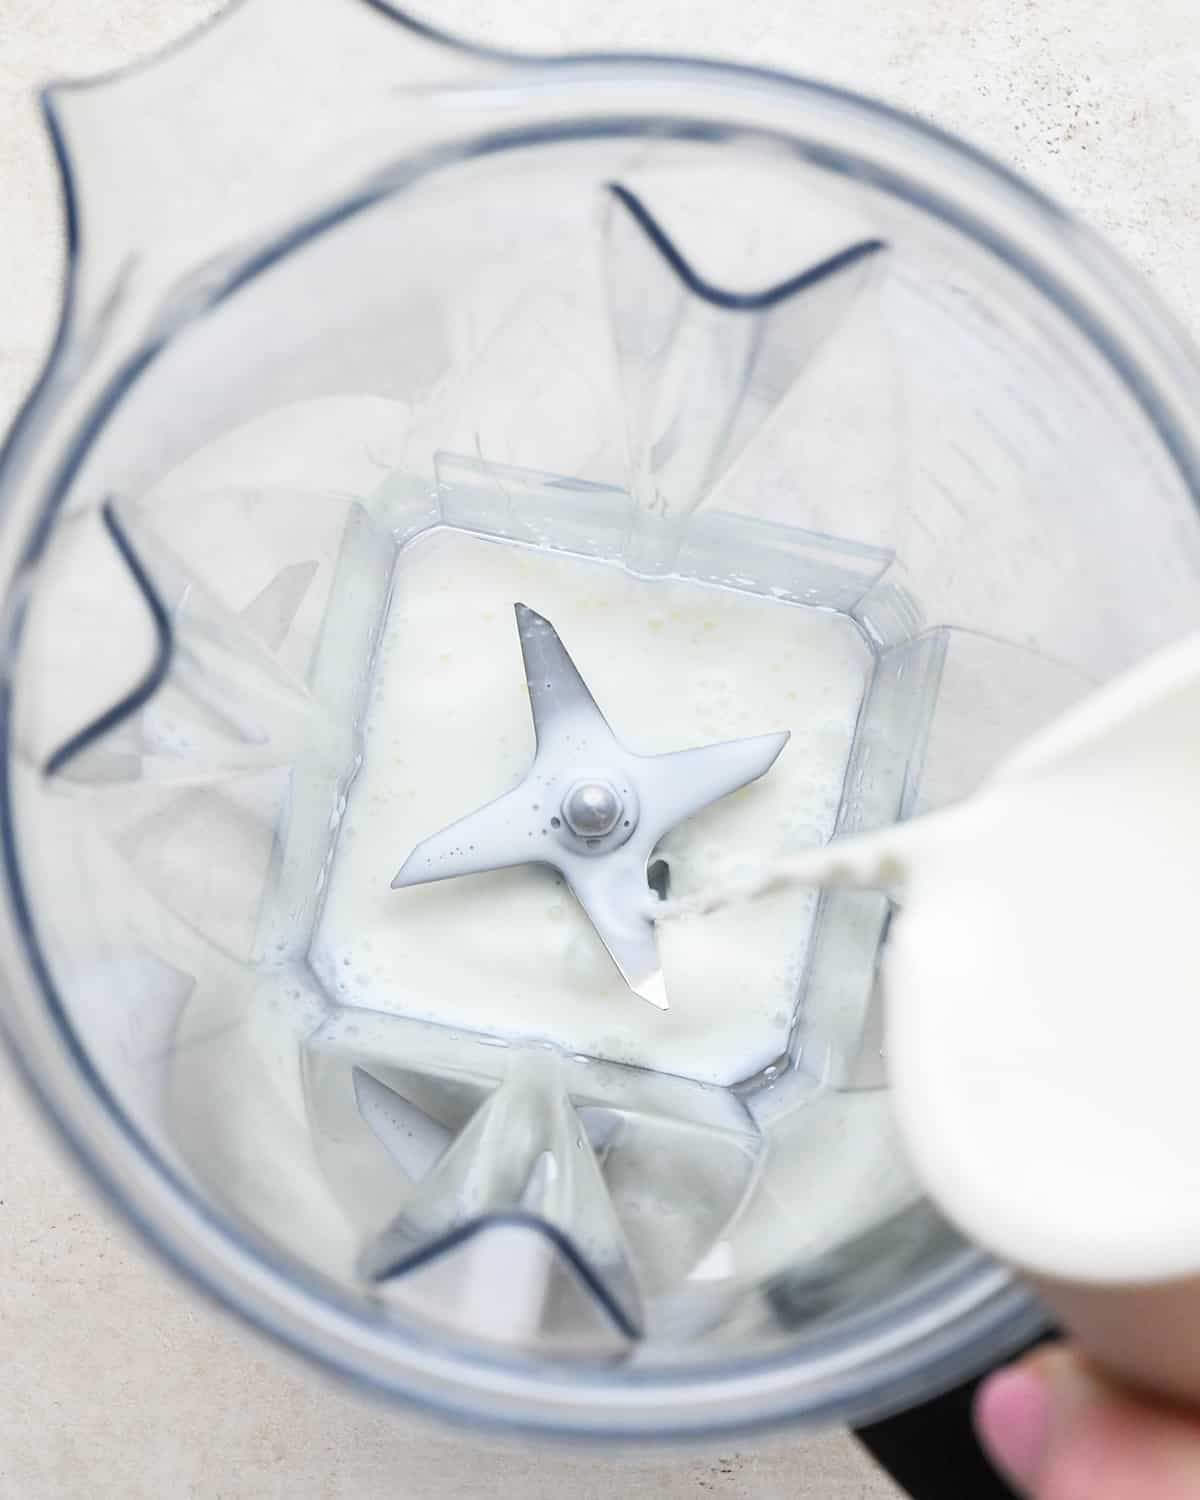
(592, 809)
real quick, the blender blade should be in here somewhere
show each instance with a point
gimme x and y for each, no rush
(589, 808)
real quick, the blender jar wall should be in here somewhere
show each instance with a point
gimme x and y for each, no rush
(953, 464)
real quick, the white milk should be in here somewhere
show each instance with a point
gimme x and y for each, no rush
(671, 665)
(1042, 986)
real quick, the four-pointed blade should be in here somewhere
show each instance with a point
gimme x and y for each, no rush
(565, 716)
(613, 894)
(495, 837)
(604, 865)
(676, 785)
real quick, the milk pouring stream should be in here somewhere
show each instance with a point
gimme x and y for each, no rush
(1041, 982)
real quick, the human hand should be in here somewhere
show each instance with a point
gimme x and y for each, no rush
(1058, 1431)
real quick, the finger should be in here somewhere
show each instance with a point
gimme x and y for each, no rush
(1058, 1431)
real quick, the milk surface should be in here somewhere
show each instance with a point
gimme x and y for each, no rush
(671, 664)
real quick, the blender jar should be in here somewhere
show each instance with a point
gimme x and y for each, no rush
(802, 416)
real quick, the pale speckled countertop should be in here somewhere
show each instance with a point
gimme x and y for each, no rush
(114, 1380)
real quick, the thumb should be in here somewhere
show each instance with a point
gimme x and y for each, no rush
(1058, 1431)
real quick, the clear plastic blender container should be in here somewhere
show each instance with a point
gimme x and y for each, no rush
(342, 292)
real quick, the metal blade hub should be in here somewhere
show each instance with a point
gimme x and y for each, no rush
(593, 808)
